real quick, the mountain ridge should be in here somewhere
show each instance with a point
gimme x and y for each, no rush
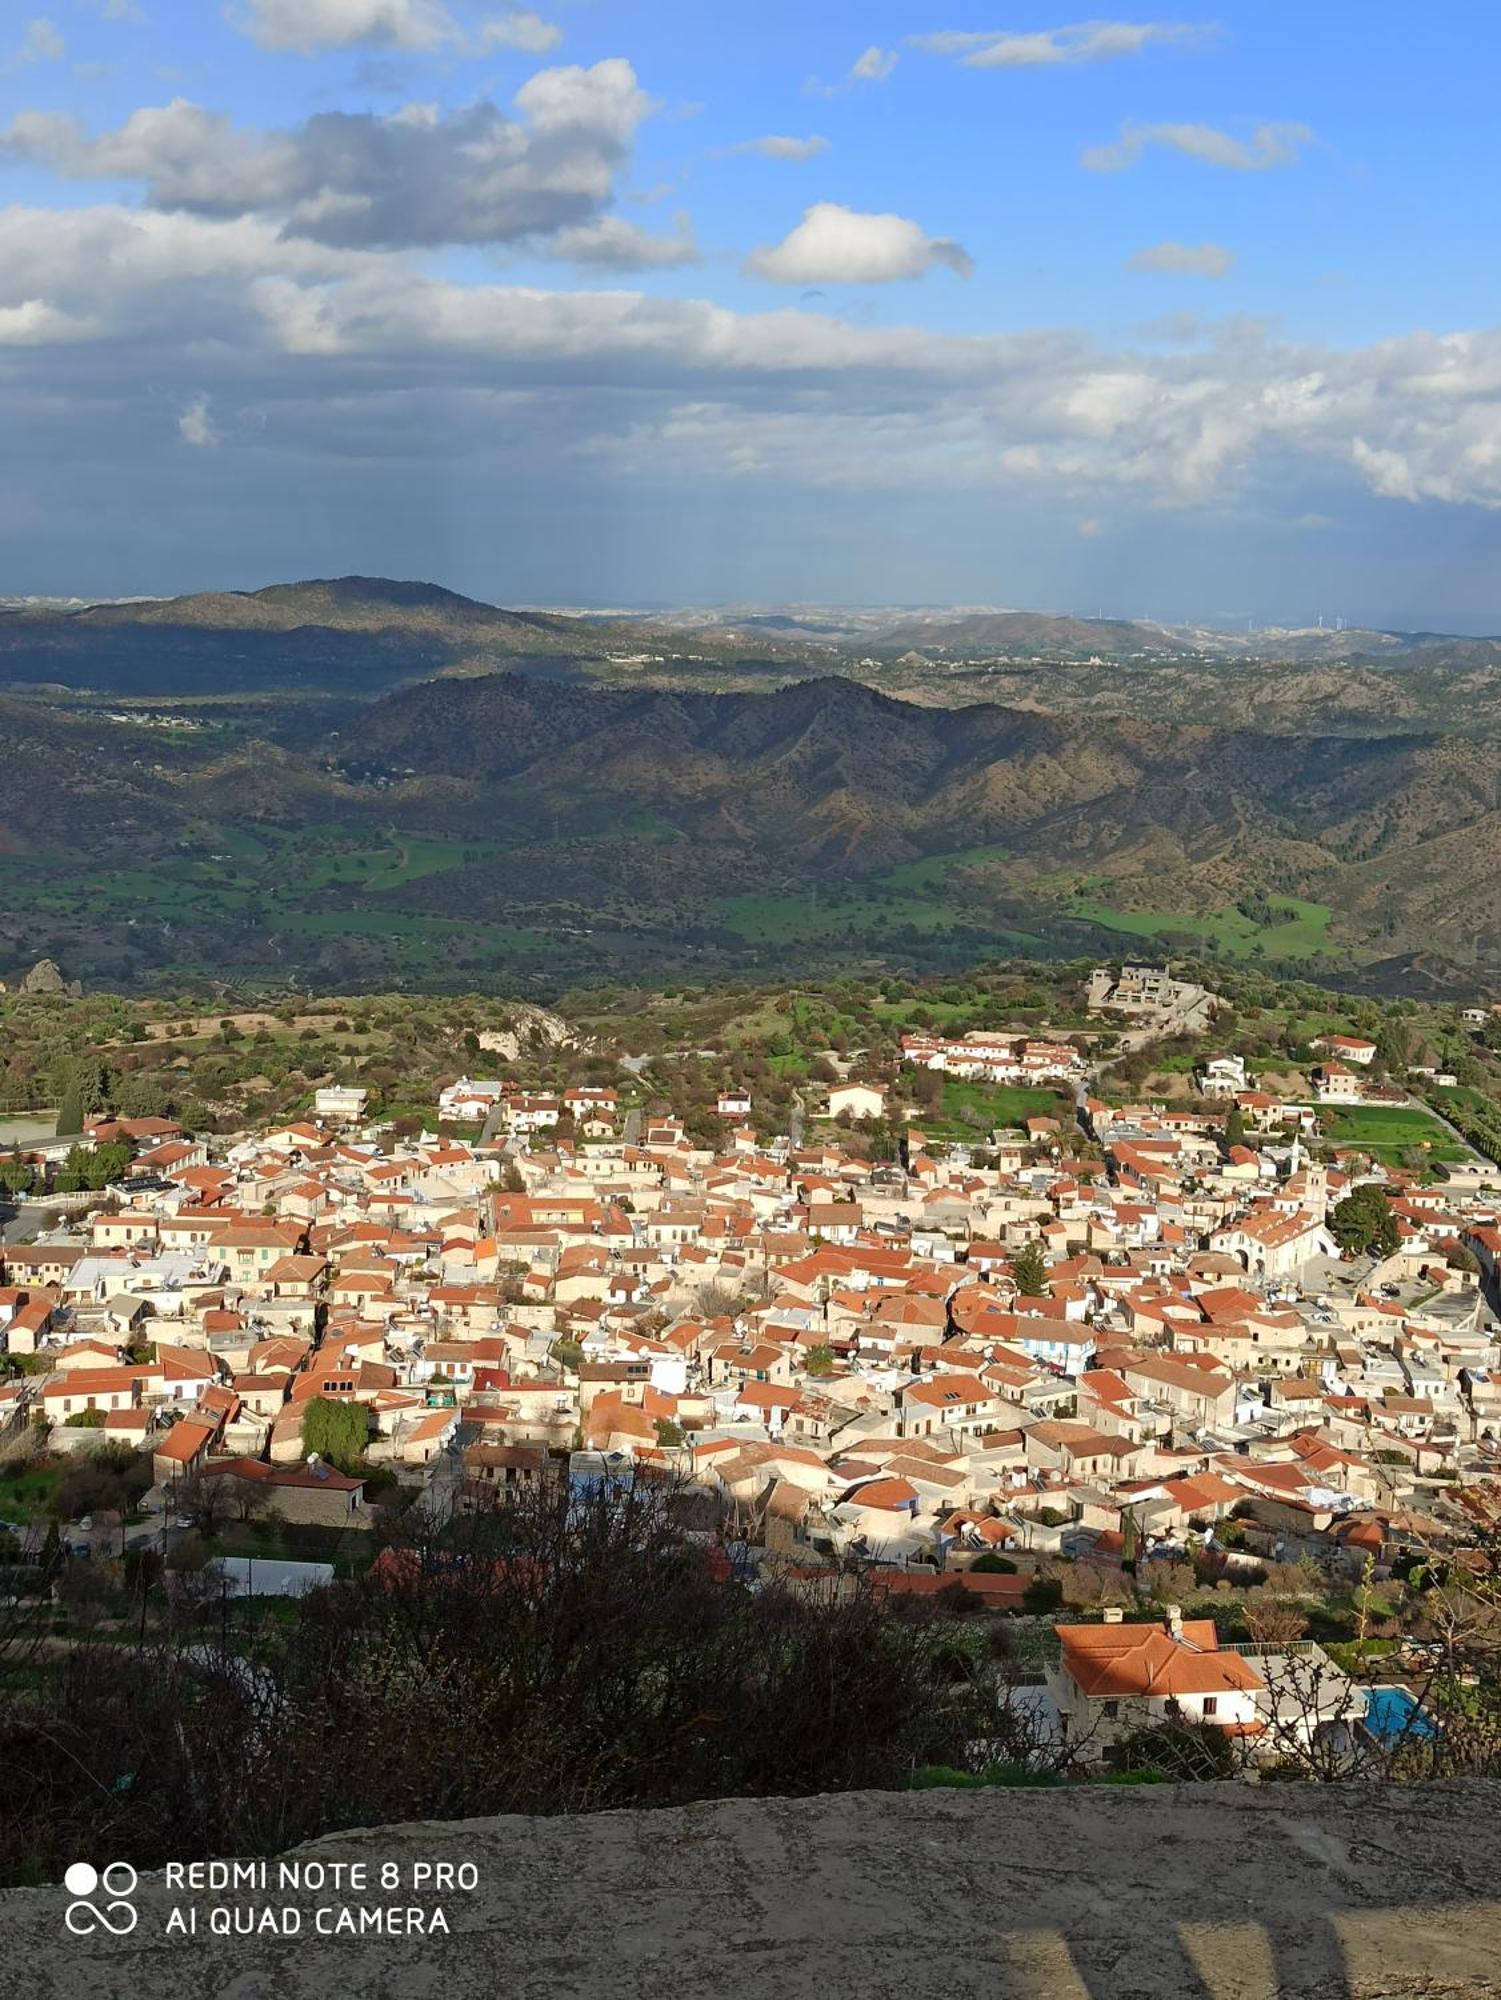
(604, 827)
(346, 603)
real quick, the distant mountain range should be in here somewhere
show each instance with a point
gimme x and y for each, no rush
(360, 635)
(339, 604)
(352, 634)
(361, 778)
(346, 635)
(1063, 636)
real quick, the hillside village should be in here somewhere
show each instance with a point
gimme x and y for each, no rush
(1104, 1359)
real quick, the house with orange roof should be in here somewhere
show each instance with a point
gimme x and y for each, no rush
(29, 1324)
(1115, 1678)
(951, 1401)
(182, 1452)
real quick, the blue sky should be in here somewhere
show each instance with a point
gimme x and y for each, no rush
(1185, 313)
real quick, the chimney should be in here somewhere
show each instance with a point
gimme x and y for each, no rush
(1112, 1615)
(1175, 1621)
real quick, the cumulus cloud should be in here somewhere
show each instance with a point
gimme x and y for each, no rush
(521, 29)
(34, 323)
(613, 244)
(837, 245)
(357, 362)
(1195, 260)
(1270, 145)
(417, 177)
(775, 146)
(196, 427)
(1083, 42)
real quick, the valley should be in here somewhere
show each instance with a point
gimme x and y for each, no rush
(474, 817)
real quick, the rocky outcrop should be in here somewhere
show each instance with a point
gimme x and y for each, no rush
(44, 977)
(1282, 1892)
(529, 1028)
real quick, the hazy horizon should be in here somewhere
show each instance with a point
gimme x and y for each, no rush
(645, 608)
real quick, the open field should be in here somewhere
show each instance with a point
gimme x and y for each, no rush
(916, 896)
(1303, 931)
(1387, 1131)
(970, 1108)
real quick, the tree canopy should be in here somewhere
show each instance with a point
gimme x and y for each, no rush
(1364, 1221)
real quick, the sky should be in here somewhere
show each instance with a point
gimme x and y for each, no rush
(1190, 316)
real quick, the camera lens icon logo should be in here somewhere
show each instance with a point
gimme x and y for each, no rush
(116, 1882)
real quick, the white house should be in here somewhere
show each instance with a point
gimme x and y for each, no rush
(1115, 1678)
(470, 1097)
(340, 1103)
(860, 1100)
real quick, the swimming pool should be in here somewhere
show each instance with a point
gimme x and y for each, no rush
(1391, 1713)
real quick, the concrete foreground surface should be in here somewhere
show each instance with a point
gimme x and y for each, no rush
(1154, 1893)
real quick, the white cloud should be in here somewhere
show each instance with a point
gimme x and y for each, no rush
(1270, 145)
(418, 176)
(1196, 260)
(42, 42)
(613, 244)
(196, 427)
(837, 245)
(189, 157)
(521, 29)
(603, 101)
(34, 323)
(306, 25)
(124, 10)
(303, 25)
(872, 65)
(358, 359)
(777, 147)
(1083, 42)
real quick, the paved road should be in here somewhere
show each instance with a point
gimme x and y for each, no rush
(22, 1224)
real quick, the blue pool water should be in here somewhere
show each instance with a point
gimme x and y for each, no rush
(1392, 1713)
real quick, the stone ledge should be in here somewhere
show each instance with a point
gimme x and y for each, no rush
(1093, 1893)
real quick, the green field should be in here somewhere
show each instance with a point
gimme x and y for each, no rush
(26, 1488)
(235, 871)
(970, 1110)
(910, 897)
(934, 870)
(788, 1065)
(1387, 1131)
(821, 914)
(1302, 933)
